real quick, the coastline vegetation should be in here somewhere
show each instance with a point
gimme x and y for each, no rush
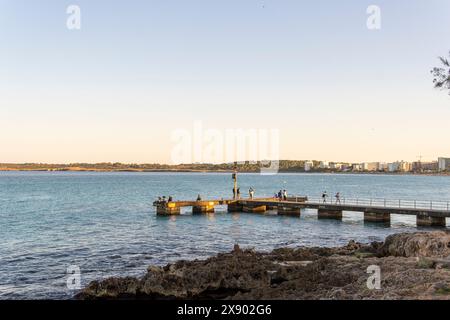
(285, 166)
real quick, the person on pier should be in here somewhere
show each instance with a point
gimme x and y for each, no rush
(338, 198)
(251, 192)
(324, 196)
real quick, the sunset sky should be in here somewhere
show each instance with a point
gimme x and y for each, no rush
(137, 71)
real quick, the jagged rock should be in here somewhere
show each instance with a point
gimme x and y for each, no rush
(420, 244)
(303, 273)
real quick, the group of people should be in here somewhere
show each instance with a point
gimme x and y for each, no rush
(281, 195)
(337, 196)
(251, 193)
(163, 199)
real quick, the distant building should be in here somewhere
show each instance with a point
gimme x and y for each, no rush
(309, 165)
(420, 166)
(336, 165)
(370, 166)
(399, 166)
(324, 165)
(393, 166)
(404, 166)
(443, 164)
(357, 167)
(430, 166)
(382, 166)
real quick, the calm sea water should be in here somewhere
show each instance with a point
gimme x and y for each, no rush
(105, 222)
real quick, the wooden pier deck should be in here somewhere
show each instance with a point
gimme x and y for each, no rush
(428, 213)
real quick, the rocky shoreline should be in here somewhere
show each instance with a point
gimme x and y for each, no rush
(412, 266)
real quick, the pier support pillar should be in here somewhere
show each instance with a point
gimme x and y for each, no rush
(329, 214)
(424, 220)
(288, 211)
(235, 207)
(167, 210)
(254, 209)
(370, 216)
(202, 209)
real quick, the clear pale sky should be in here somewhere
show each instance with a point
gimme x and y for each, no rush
(138, 70)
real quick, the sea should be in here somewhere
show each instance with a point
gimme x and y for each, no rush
(101, 224)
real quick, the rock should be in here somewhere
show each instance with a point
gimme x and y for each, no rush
(420, 244)
(293, 263)
(411, 267)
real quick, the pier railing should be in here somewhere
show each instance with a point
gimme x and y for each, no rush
(385, 203)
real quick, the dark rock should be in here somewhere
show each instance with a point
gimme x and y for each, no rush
(420, 244)
(302, 273)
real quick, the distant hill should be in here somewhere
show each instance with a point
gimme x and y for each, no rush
(284, 165)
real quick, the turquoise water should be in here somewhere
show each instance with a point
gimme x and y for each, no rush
(105, 222)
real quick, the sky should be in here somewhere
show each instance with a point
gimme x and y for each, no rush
(117, 89)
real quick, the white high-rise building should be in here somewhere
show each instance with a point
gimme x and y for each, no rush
(443, 164)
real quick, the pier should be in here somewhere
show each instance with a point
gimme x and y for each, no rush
(428, 213)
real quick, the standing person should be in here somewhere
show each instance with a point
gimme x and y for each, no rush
(199, 198)
(251, 192)
(338, 198)
(280, 195)
(284, 195)
(324, 196)
(238, 193)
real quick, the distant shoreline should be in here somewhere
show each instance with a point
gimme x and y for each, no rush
(216, 171)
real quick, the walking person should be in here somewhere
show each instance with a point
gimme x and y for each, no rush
(338, 198)
(324, 196)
